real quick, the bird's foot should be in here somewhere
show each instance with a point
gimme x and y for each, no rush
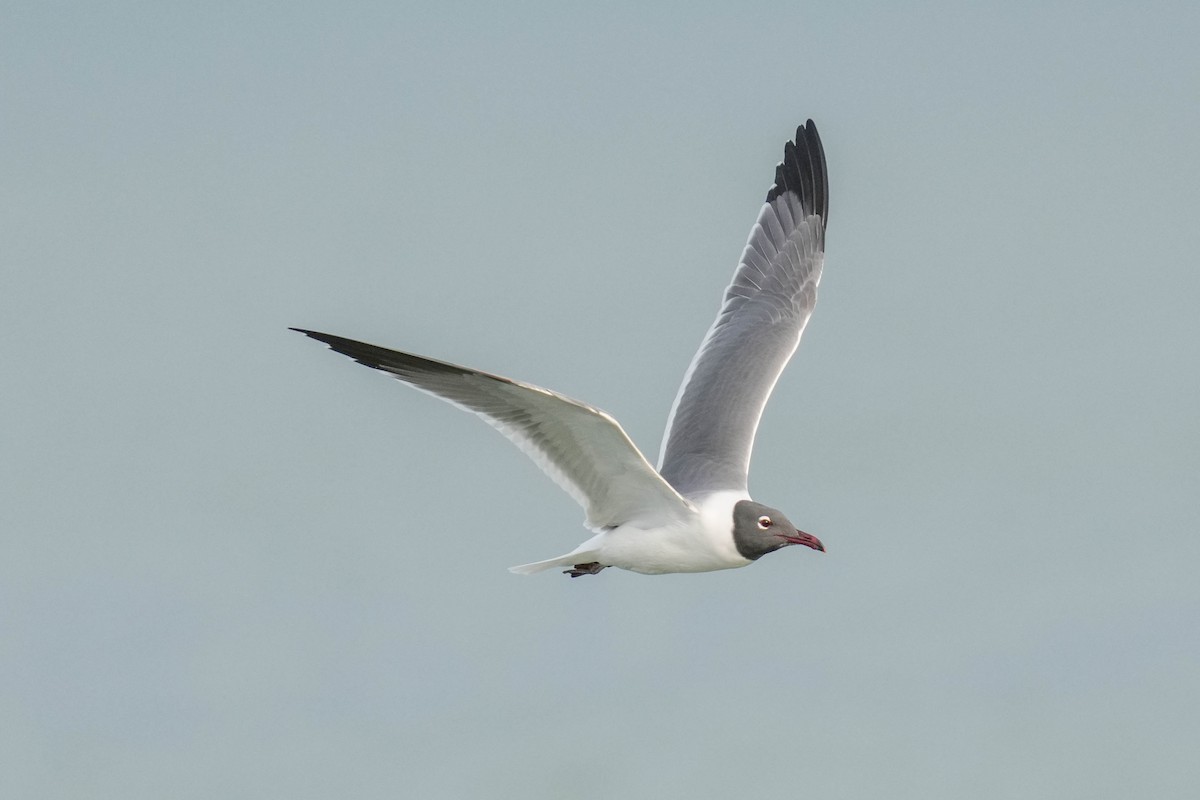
(590, 568)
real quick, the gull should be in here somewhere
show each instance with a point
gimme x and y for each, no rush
(693, 513)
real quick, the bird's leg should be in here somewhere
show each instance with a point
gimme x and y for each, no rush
(590, 568)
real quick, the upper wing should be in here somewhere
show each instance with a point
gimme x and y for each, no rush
(710, 431)
(582, 448)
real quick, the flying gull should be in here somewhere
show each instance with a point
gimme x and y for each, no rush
(694, 513)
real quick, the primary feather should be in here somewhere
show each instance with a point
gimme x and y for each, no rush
(711, 427)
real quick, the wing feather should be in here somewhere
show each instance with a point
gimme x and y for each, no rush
(711, 427)
(583, 449)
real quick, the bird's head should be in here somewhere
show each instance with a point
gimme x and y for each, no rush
(759, 529)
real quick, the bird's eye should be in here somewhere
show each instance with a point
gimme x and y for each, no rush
(764, 522)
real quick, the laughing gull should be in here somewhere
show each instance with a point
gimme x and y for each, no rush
(692, 514)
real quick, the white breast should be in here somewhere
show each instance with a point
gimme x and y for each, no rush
(699, 544)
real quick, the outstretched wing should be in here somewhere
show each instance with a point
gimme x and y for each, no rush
(710, 431)
(582, 448)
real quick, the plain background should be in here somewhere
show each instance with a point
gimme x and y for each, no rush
(238, 565)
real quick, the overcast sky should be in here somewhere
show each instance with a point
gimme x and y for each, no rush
(237, 565)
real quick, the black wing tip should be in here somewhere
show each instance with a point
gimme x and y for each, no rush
(327, 338)
(803, 172)
(367, 354)
(394, 361)
(339, 343)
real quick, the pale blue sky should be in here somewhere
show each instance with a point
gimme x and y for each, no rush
(237, 565)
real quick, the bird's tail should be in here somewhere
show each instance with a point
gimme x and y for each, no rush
(569, 560)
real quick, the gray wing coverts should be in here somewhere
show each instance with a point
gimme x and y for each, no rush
(710, 432)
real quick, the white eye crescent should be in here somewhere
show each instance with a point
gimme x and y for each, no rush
(764, 522)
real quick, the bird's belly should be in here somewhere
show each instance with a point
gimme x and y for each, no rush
(654, 552)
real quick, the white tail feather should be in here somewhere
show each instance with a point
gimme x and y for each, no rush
(569, 560)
